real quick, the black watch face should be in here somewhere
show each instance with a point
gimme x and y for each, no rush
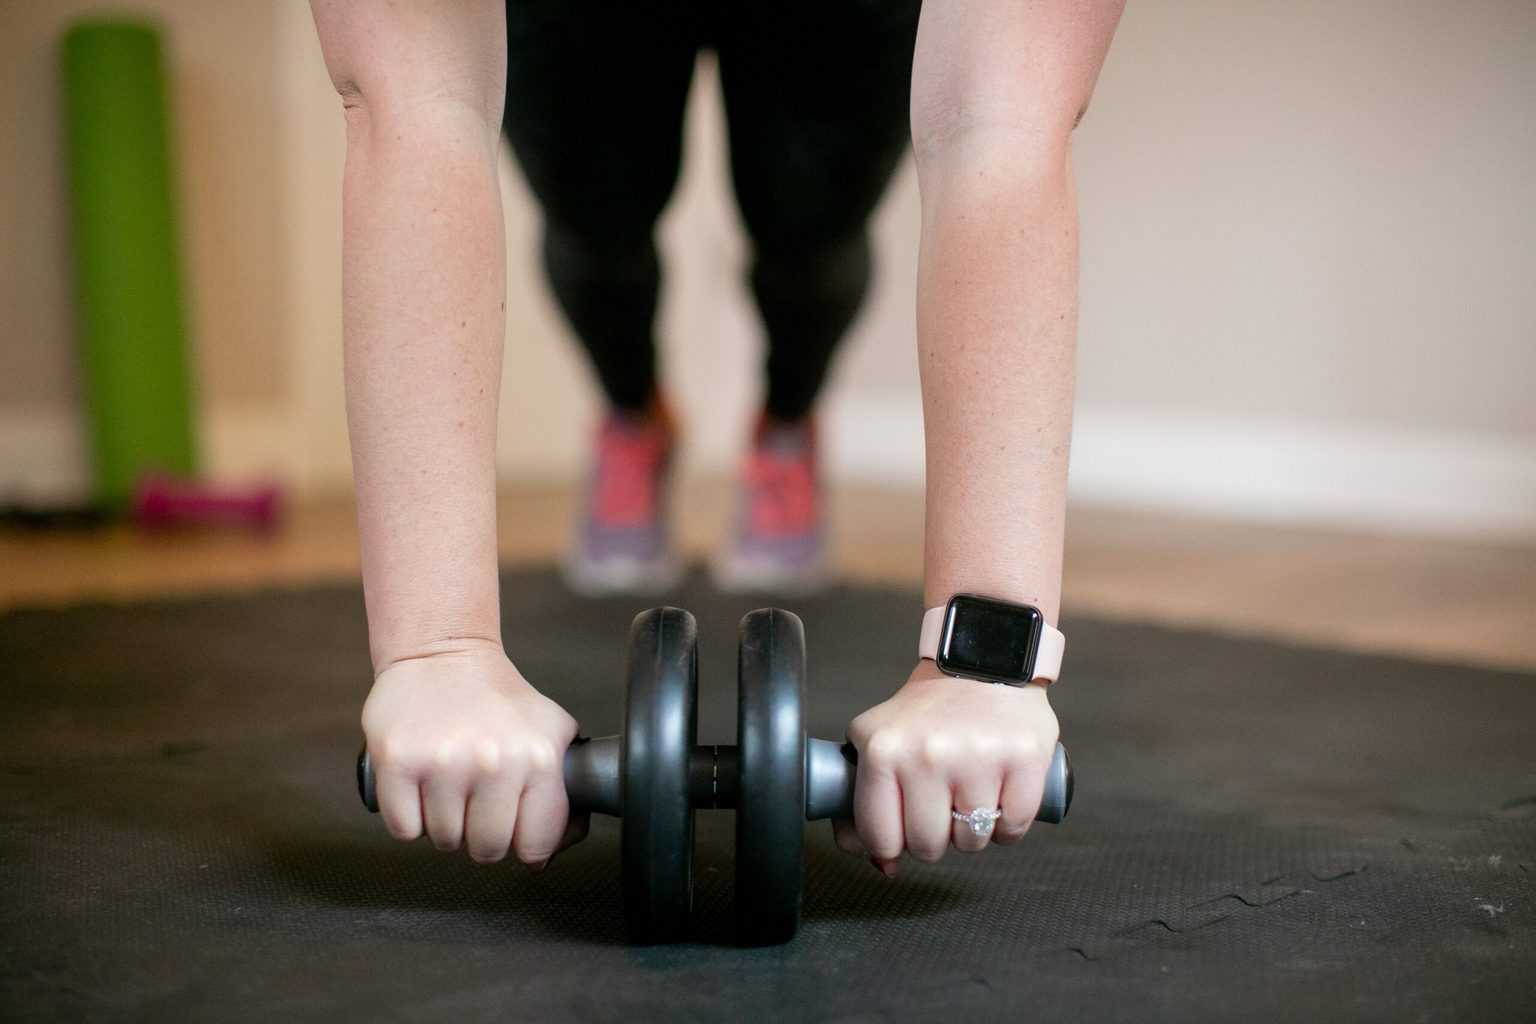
(987, 639)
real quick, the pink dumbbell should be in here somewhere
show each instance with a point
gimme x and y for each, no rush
(161, 502)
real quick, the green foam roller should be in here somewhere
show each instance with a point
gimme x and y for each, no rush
(126, 254)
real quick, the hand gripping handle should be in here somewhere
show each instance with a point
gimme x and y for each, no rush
(592, 779)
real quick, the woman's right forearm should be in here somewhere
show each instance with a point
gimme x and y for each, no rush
(423, 294)
(424, 280)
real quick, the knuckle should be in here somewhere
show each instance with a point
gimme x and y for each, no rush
(925, 854)
(487, 756)
(860, 729)
(986, 747)
(540, 758)
(938, 748)
(885, 749)
(1024, 748)
(395, 754)
(445, 755)
(381, 750)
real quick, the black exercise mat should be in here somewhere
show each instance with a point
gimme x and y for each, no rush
(1260, 831)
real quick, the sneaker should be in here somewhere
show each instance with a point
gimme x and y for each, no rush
(780, 540)
(623, 544)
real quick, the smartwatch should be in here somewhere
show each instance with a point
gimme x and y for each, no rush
(993, 641)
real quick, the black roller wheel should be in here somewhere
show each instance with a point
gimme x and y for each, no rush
(770, 812)
(660, 726)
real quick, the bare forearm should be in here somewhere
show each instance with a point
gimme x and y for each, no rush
(996, 326)
(997, 89)
(423, 282)
(424, 287)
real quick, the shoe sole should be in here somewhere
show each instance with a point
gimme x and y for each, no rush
(618, 576)
(739, 574)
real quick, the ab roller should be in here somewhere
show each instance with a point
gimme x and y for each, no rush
(654, 775)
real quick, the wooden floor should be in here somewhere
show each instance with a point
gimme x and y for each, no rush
(1434, 598)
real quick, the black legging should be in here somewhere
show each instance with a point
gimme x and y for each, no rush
(816, 99)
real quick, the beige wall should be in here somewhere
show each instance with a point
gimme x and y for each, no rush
(1308, 237)
(227, 141)
(1321, 210)
(224, 100)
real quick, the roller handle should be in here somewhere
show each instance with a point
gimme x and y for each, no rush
(830, 769)
(592, 779)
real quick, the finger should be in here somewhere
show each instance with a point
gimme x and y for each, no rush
(491, 817)
(877, 815)
(444, 797)
(1020, 801)
(978, 791)
(847, 837)
(543, 813)
(399, 796)
(925, 806)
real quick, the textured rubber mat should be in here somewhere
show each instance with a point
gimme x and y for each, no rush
(1260, 831)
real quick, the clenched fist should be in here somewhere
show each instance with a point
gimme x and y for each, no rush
(465, 749)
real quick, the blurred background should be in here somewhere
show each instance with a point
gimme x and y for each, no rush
(1307, 349)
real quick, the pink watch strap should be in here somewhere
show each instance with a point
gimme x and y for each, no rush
(1053, 644)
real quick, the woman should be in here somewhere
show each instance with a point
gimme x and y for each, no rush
(465, 748)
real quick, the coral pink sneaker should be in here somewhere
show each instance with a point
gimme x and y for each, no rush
(623, 543)
(779, 544)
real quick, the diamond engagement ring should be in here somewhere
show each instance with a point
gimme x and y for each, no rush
(981, 819)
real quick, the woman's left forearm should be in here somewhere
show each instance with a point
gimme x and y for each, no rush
(996, 327)
(997, 90)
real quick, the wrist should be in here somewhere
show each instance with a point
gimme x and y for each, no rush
(1035, 591)
(990, 639)
(927, 672)
(443, 645)
(926, 678)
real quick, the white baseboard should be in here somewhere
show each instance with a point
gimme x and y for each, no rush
(1336, 474)
(43, 456)
(1371, 478)
(1345, 475)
